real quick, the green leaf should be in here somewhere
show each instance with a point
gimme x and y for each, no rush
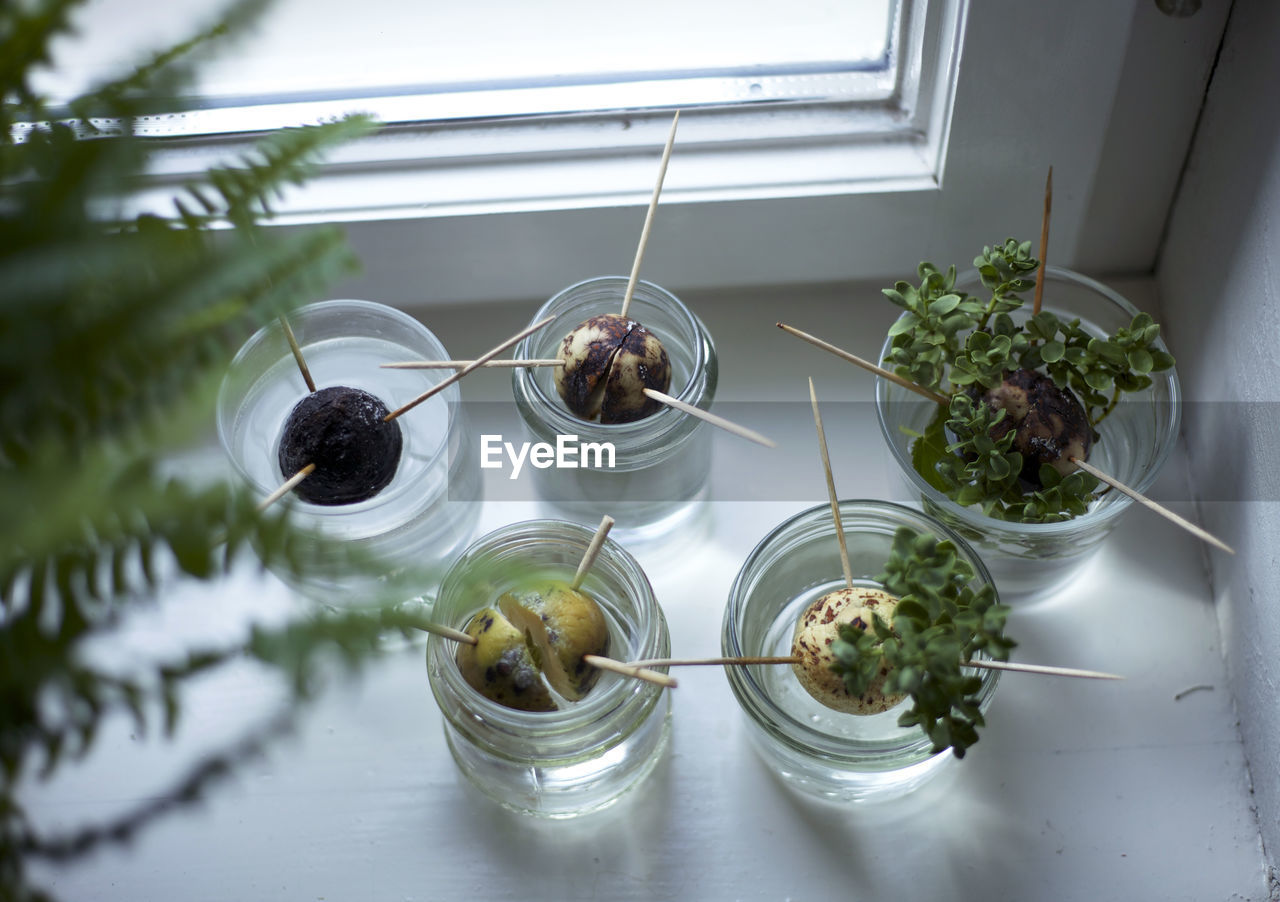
(1098, 380)
(1052, 351)
(944, 305)
(896, 297)
(904, 324)
(929, 449)
(1140, 360)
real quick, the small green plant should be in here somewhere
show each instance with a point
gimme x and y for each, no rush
(940, 623)
(961, 345)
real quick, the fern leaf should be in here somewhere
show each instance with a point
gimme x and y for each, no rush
(28, 34)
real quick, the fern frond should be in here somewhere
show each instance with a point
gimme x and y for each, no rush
(26, 34)
(165, 317)
(247, 191)
(114, 335)
(98, 539)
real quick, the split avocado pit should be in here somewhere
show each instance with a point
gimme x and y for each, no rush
(345, 433)
(609, 361)
(530, 648)
(1049, 423)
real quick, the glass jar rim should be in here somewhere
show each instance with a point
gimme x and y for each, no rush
(657, 426)
(450, 396)
(617, 694)
(974, 516)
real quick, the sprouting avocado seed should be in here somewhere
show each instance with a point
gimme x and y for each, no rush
(566, 624)
(608, 362)
(343, 431)
(1050, 423)
(501, 666)
(819, 627)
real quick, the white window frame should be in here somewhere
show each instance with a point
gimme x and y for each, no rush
(425, 163)
(799, 193)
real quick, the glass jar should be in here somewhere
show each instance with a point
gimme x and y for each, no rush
(661, 463)
(1031, 560)
(815, 749)
(587, 754)
(429, 509)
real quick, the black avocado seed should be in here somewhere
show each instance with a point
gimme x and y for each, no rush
(343, 432)
(1050, 423)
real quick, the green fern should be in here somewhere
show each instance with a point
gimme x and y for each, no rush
(114, 333)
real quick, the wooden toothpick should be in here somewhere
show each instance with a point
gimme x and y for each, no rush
(1043, 669)
(286, 487)
(831, 488)
(463, 364)
(718, 421)
(639, 673)
(593, 550)
(297, 353)
(306, 471)
(866, 365)
(473, 365)
(629, 670)
(748, 660)
(447, 632)
(740, 661)
(1044, 241)
(648, 217)
(1158, 508)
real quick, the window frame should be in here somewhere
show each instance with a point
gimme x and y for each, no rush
(1025, 88)
(416, 167)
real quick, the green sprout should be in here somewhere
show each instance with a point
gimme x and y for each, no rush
(961, 345)
(941, 622)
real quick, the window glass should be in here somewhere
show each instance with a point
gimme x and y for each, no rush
(509, 57)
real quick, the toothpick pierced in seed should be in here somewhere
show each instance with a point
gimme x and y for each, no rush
(718, 421)
(640, 673)
(866, 365)
(1044, 242)
(297, 354)
(648, 216)
(292, 482)
(593, 550)
(463, 364)
(1147, 502)
(286, 487)
(473, 365)
(831, 488)
(589, 558)
(747, 660)
(1045, 669)
(447, 632)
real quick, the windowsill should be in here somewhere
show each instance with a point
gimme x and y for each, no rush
(1078, 790)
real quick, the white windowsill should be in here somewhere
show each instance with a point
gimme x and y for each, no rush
(1078, 790)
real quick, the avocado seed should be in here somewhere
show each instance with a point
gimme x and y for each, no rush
(343, 431)
(816, 631)
(1049, 423)
(609, 361)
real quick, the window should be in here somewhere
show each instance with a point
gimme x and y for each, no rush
(513, 106)
(444, 62)
(948, 153)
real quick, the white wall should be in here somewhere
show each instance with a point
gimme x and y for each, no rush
(1219, 276)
